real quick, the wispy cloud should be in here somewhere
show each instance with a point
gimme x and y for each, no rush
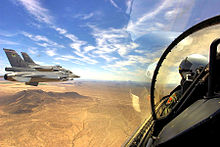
(122, 63)
(114, 4)
(76, 42)
(2, 41)
(131, 60)
(84, 58)
(108, 58)
(171, 14)
(84, 16)
(51, 52)
(41, 14)
(35, 8)
(112, 40)
(89, 48)
(88, 16)
(81, 57)
(60, 30)
(7, 34)
(77, 45)
(33, 50)
(123, 49)
(42, 40)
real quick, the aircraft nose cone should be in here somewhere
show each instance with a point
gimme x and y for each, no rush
(75, 76)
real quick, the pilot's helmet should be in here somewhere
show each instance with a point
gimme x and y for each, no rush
(191, 64)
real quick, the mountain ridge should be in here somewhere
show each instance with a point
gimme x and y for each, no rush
(25, 101)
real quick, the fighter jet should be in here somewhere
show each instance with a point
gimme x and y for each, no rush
(31, 73)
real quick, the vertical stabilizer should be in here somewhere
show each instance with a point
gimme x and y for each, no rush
(28, 59)
(15, 59)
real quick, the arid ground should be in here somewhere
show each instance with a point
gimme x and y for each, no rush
(80, 113)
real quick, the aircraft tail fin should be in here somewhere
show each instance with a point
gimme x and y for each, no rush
(28, 59)
(15, 59)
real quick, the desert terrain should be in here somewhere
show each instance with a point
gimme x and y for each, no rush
(79, 113)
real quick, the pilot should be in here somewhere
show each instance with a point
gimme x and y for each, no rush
(189, 68)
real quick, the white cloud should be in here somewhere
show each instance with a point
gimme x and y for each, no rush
(159, 25)
(62, 58)
(114, 4)
(75, 46)
(123, 63)
(87, 16)
(139, 51)
(89, 48)
(108, 58)
(42, 40)
(60, 30)
(132, 64)
(43, 44)
(51, 52)
(169, 15)
(69, 58)
(81, 57)
(125, 48)
(71, 37)
(36, 37)
(76, 43)
(85, 58)
(139, 59)
(2, 41)
(33, 50)
(84, 16)
(40, 13)
(111, 40)
(7, 34)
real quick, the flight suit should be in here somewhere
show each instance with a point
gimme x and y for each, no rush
(173, 98)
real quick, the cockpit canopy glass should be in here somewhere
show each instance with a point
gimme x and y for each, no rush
(168, 78)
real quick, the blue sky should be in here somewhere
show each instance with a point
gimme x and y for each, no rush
(97, 39)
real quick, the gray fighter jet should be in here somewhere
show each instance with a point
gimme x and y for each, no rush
(31, 73)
